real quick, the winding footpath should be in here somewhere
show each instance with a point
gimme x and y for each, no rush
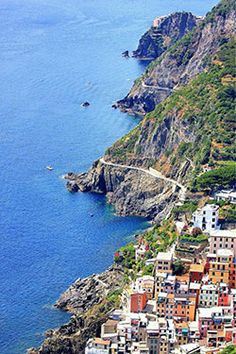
(151, 172)
(155, 87)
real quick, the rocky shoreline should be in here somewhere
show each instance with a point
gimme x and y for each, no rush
(89, 302)
(130, 192)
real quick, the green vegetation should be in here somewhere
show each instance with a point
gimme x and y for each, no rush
(193, 239)
(223, 177)
(178, 267)
(148, 270)
(157, 239)
(222, 9)
(231, 349)
(206, 107)
(187, 207)
(114, 296)
(228, 213)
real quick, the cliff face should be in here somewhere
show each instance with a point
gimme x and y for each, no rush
(89, 301)
(180, 63)
(192, 127)
(131, 192)
(165, 31)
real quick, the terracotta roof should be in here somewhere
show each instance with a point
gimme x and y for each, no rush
(182, 278)
(101, 341)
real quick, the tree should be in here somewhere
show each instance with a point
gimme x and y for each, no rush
(196, 231)
(178, 267)
(231, 349)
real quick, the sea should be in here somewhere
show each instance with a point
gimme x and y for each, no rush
(54, 55)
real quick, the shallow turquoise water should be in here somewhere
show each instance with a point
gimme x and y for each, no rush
(55, 55)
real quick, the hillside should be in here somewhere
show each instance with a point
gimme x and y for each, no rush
(181, 62)
(165, 31)
(192, 128)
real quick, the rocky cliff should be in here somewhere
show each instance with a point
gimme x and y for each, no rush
(131, 192)
(165, 31)
(182, 61)
(90, 300)
(192, 127)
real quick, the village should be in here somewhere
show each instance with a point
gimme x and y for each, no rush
(180, 295)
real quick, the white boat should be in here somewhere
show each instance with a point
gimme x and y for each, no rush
(49, 168)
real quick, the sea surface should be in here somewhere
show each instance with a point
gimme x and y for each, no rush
(54, 55)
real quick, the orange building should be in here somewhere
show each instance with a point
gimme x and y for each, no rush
(138, 301)
(219, 269)
(185, 307)
(181, 307)
(232, 275)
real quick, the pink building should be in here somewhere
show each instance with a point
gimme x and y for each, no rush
(223, 239)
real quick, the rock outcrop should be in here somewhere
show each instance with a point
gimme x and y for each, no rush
(183, 61)
(131, 192)
(88, 300)
(165, 31)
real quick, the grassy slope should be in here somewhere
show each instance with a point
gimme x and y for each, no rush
(207, 106)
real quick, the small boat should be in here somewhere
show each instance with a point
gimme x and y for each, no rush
(91, 215)
(49, 168)
(85, 104)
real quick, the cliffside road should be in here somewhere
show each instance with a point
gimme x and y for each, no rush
(152, 172)
(155, 87)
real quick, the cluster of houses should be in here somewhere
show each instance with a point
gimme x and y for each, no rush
(181, 314)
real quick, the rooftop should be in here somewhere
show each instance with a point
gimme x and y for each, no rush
(194, 286)
(209, 287)
(101, 341)
(164, 256)
(197, 268)
(223, 233)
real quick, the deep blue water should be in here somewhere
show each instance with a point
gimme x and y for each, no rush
(54, 55)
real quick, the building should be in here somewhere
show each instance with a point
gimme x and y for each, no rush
(164, 262)
(196, 272)
(208, 296)
(206, 218)
(169, 284)
(153, 337)
(226, 195)
(145, 284)
(109, 329)
(97, 346)
(140, 251)
(191, 348)
(214, 319)
(160, 278)
(219, 271)
(224, 297)
(138, 301)
(223, 239)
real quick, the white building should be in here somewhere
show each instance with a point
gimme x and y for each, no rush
(226, 195)
(164, 262)
(206, 218)
(140, 251)
(208, 295)
(97, 346)
(146, 284)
